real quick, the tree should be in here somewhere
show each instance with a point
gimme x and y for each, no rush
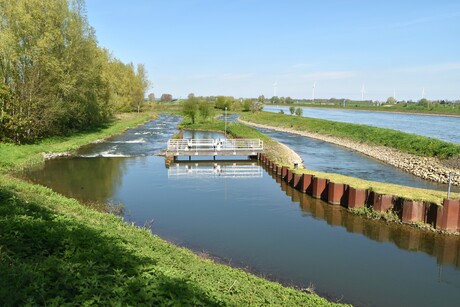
(54, 78)
(151, 97)
(275, 100)
(166, 98)
(247, 105)
(190, 96)
(257, 106)
(261, 99)
(299, 112)
(204, 109)
(223, 102)
(424, 103)
(190, 109)
(292, 110)
(288, 100)
(391, 100)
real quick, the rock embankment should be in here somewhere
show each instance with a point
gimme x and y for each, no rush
(427, 168)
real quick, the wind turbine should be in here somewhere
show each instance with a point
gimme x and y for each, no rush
(274, 88)
(313, 91)
(394, 93)
(423, 93)
(363, 91)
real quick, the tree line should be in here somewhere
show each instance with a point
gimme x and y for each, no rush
(54, 77)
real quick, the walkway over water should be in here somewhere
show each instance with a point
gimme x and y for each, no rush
(214, 147)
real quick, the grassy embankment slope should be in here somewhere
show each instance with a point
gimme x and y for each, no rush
(405, 142)
(54, 250)
(450, 110)
(418, 145)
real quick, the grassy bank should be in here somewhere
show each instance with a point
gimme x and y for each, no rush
(450, 110)
(405, 142)
(55, 251)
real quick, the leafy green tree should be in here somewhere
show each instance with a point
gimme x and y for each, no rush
(204, 109)
(288, 100)
(247, 105)
(223, 102)
(292, 110)
(54, 78)
(275, 100)
(261, 99)
(391, 100)
(424, 103)
(299, 112)
(190, 109)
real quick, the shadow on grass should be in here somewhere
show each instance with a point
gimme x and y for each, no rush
(48, 258)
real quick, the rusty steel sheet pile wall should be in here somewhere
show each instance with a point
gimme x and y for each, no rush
(445, 218)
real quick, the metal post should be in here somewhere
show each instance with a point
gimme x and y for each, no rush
(451, 175)
(225, 123)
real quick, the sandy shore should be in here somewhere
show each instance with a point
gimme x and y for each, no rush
(427, 168)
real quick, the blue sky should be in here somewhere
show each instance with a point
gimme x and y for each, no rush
(242, 48)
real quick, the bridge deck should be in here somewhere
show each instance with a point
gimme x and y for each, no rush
(214, 147)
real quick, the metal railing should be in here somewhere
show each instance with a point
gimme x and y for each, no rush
(196, 145)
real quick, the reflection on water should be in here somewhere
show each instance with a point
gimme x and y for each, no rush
(95, 179)
(222, 169)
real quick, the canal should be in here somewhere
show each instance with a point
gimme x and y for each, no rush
(244, 216)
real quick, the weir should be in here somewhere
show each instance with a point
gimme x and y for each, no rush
(213, 147)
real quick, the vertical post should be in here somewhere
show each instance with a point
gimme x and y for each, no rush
(225, 131)
(451, 175)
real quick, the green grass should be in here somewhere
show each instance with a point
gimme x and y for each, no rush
(401, 107)
(405, 142)
(56, 251)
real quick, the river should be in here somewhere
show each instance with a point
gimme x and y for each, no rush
(436, 126)
(244, 216)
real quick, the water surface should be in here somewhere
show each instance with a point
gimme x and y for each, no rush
(435, 126)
